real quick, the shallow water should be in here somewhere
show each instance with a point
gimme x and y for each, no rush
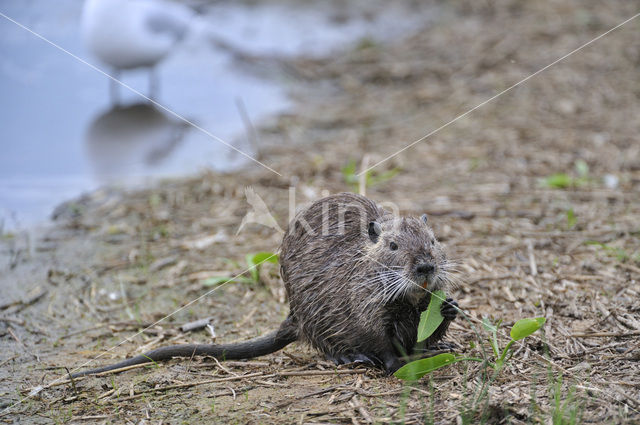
(61, 134)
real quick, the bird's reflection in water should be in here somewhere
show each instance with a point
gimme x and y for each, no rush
(128, 141)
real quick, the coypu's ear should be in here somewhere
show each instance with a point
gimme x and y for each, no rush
(374, 231)
(424, 218)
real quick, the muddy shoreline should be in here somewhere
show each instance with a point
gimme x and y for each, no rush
(528, 245)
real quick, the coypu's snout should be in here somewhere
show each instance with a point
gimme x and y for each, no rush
(424, 272)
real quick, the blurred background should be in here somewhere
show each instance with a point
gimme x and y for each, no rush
(65, 128)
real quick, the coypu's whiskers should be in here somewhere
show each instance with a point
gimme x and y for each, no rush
(397, 288)
(450, 273)
(408, 283)
(450, 266)
(390, 285)
(452, 279)
(380, 278)
(381, 288)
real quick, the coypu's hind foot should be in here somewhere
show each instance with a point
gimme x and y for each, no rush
(388, 362)
(366, 359)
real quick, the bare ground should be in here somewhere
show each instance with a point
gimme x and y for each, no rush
(118, 261)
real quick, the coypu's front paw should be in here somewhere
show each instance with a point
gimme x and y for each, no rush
(449, 309)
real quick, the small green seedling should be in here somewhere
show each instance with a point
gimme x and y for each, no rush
(154, 363)
(372, 177)
(571, 219)
(564, 180)
(520, 330)
(557, 181)
(254, 262)
(621, 254)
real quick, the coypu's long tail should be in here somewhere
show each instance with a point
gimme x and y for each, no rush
(273, 341)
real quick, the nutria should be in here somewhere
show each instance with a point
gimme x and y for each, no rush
(357, 278)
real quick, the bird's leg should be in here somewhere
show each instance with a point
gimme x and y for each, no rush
(153, 83)
(114, 91)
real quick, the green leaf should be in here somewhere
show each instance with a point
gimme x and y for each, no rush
(525, 327)
(254, 261)
(262, 257)
(415, 370)
(558, 181)
(431, 318)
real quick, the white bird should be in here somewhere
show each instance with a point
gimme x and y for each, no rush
(129, 34)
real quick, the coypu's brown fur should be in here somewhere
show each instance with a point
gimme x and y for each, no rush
(354, 276)
(357, 278)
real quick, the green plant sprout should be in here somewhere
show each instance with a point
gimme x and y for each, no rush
(520, 330)
(564, 180)
(372, 177)
(431, 318)
(253, 263)
(621, 254)
(569, 411)
(571, 219)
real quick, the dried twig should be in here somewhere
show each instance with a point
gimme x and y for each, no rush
(532, 259)
(605, 334)
(196, 325)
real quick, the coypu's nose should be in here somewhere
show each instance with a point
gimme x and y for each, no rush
(425, 269)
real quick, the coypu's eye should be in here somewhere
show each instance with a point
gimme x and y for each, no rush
(393, 246)
(432, 241)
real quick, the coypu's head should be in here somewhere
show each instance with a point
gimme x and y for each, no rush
(409, 261)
